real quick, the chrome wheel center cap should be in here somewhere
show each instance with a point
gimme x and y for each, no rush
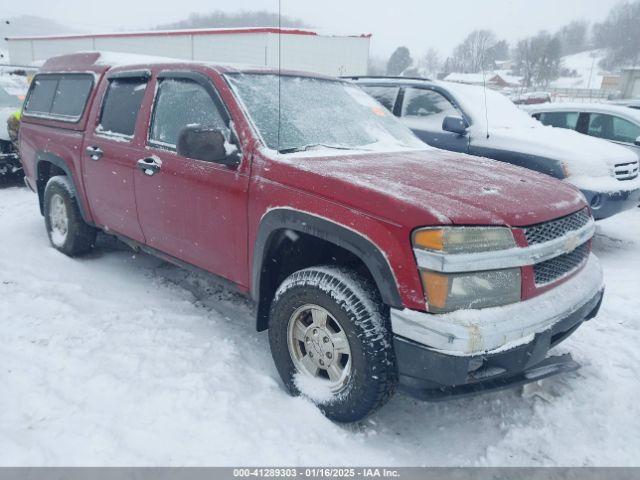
(320, 347)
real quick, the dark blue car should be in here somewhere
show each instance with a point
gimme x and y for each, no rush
(482, 122)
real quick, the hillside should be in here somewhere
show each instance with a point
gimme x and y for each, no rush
(585, 70)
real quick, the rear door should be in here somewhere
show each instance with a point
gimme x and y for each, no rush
(193, 210)
(110, 154)
(423, 111)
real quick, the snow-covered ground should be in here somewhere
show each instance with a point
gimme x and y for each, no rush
(121, 359)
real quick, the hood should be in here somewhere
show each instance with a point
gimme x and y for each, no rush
(429, 187)
(585, 156)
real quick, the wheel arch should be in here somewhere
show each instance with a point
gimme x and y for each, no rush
(49, 165)
(282, 225)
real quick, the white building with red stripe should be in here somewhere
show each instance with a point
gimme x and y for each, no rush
(293, 49)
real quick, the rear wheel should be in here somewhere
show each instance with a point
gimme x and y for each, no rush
(331, 340)
(67, 231)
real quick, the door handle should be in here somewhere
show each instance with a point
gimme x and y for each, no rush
(150, 166)
(94, 152)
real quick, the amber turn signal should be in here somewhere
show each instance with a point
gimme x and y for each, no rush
(430, 239)
(436, 288)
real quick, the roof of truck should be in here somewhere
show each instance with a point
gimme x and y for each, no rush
(103, 61)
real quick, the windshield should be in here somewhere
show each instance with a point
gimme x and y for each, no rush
(8, 100)
(318, 113)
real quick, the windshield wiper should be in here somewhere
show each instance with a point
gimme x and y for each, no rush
(304, 148)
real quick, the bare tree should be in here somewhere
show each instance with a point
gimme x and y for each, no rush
(431, 62)
(574, 37)
(620, 35)
(538, 59)
(477, 52)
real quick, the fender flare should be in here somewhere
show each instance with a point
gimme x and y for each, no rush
(298, 221)
(62, 164)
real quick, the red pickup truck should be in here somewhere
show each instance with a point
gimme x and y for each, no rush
(374, 260)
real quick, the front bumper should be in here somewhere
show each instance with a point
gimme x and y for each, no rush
(604, 205)
(480, 350)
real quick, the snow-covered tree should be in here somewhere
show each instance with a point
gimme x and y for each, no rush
(620, 35)
(399, 61)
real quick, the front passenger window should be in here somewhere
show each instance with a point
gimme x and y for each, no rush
(625, 131)
(425, 103)
(180, 103)
(560, 119)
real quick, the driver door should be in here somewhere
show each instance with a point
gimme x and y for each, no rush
(192, 210)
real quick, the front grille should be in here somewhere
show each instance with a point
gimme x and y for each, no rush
(626, 171)
(552, 270)
(547, 231)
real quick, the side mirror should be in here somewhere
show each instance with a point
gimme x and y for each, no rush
(208, 144)
(455, 124)
(637, 142)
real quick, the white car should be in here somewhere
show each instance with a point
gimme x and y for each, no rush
(619, 124)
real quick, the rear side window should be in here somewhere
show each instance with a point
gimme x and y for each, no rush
(121, 105)
(60, 97)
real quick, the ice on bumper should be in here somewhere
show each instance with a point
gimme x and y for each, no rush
(468, 332)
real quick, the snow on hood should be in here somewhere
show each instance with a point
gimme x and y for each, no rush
(431, 187)
(511, 128)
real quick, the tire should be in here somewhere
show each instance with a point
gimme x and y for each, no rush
(67, 231)
(363, 379)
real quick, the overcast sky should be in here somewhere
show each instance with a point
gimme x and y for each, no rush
(418, 24)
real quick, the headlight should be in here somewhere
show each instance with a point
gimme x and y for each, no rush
(464, 239)
(456, 291)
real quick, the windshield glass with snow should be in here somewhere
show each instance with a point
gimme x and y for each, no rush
(318, 114)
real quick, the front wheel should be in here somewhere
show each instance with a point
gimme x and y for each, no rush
(331, 341)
